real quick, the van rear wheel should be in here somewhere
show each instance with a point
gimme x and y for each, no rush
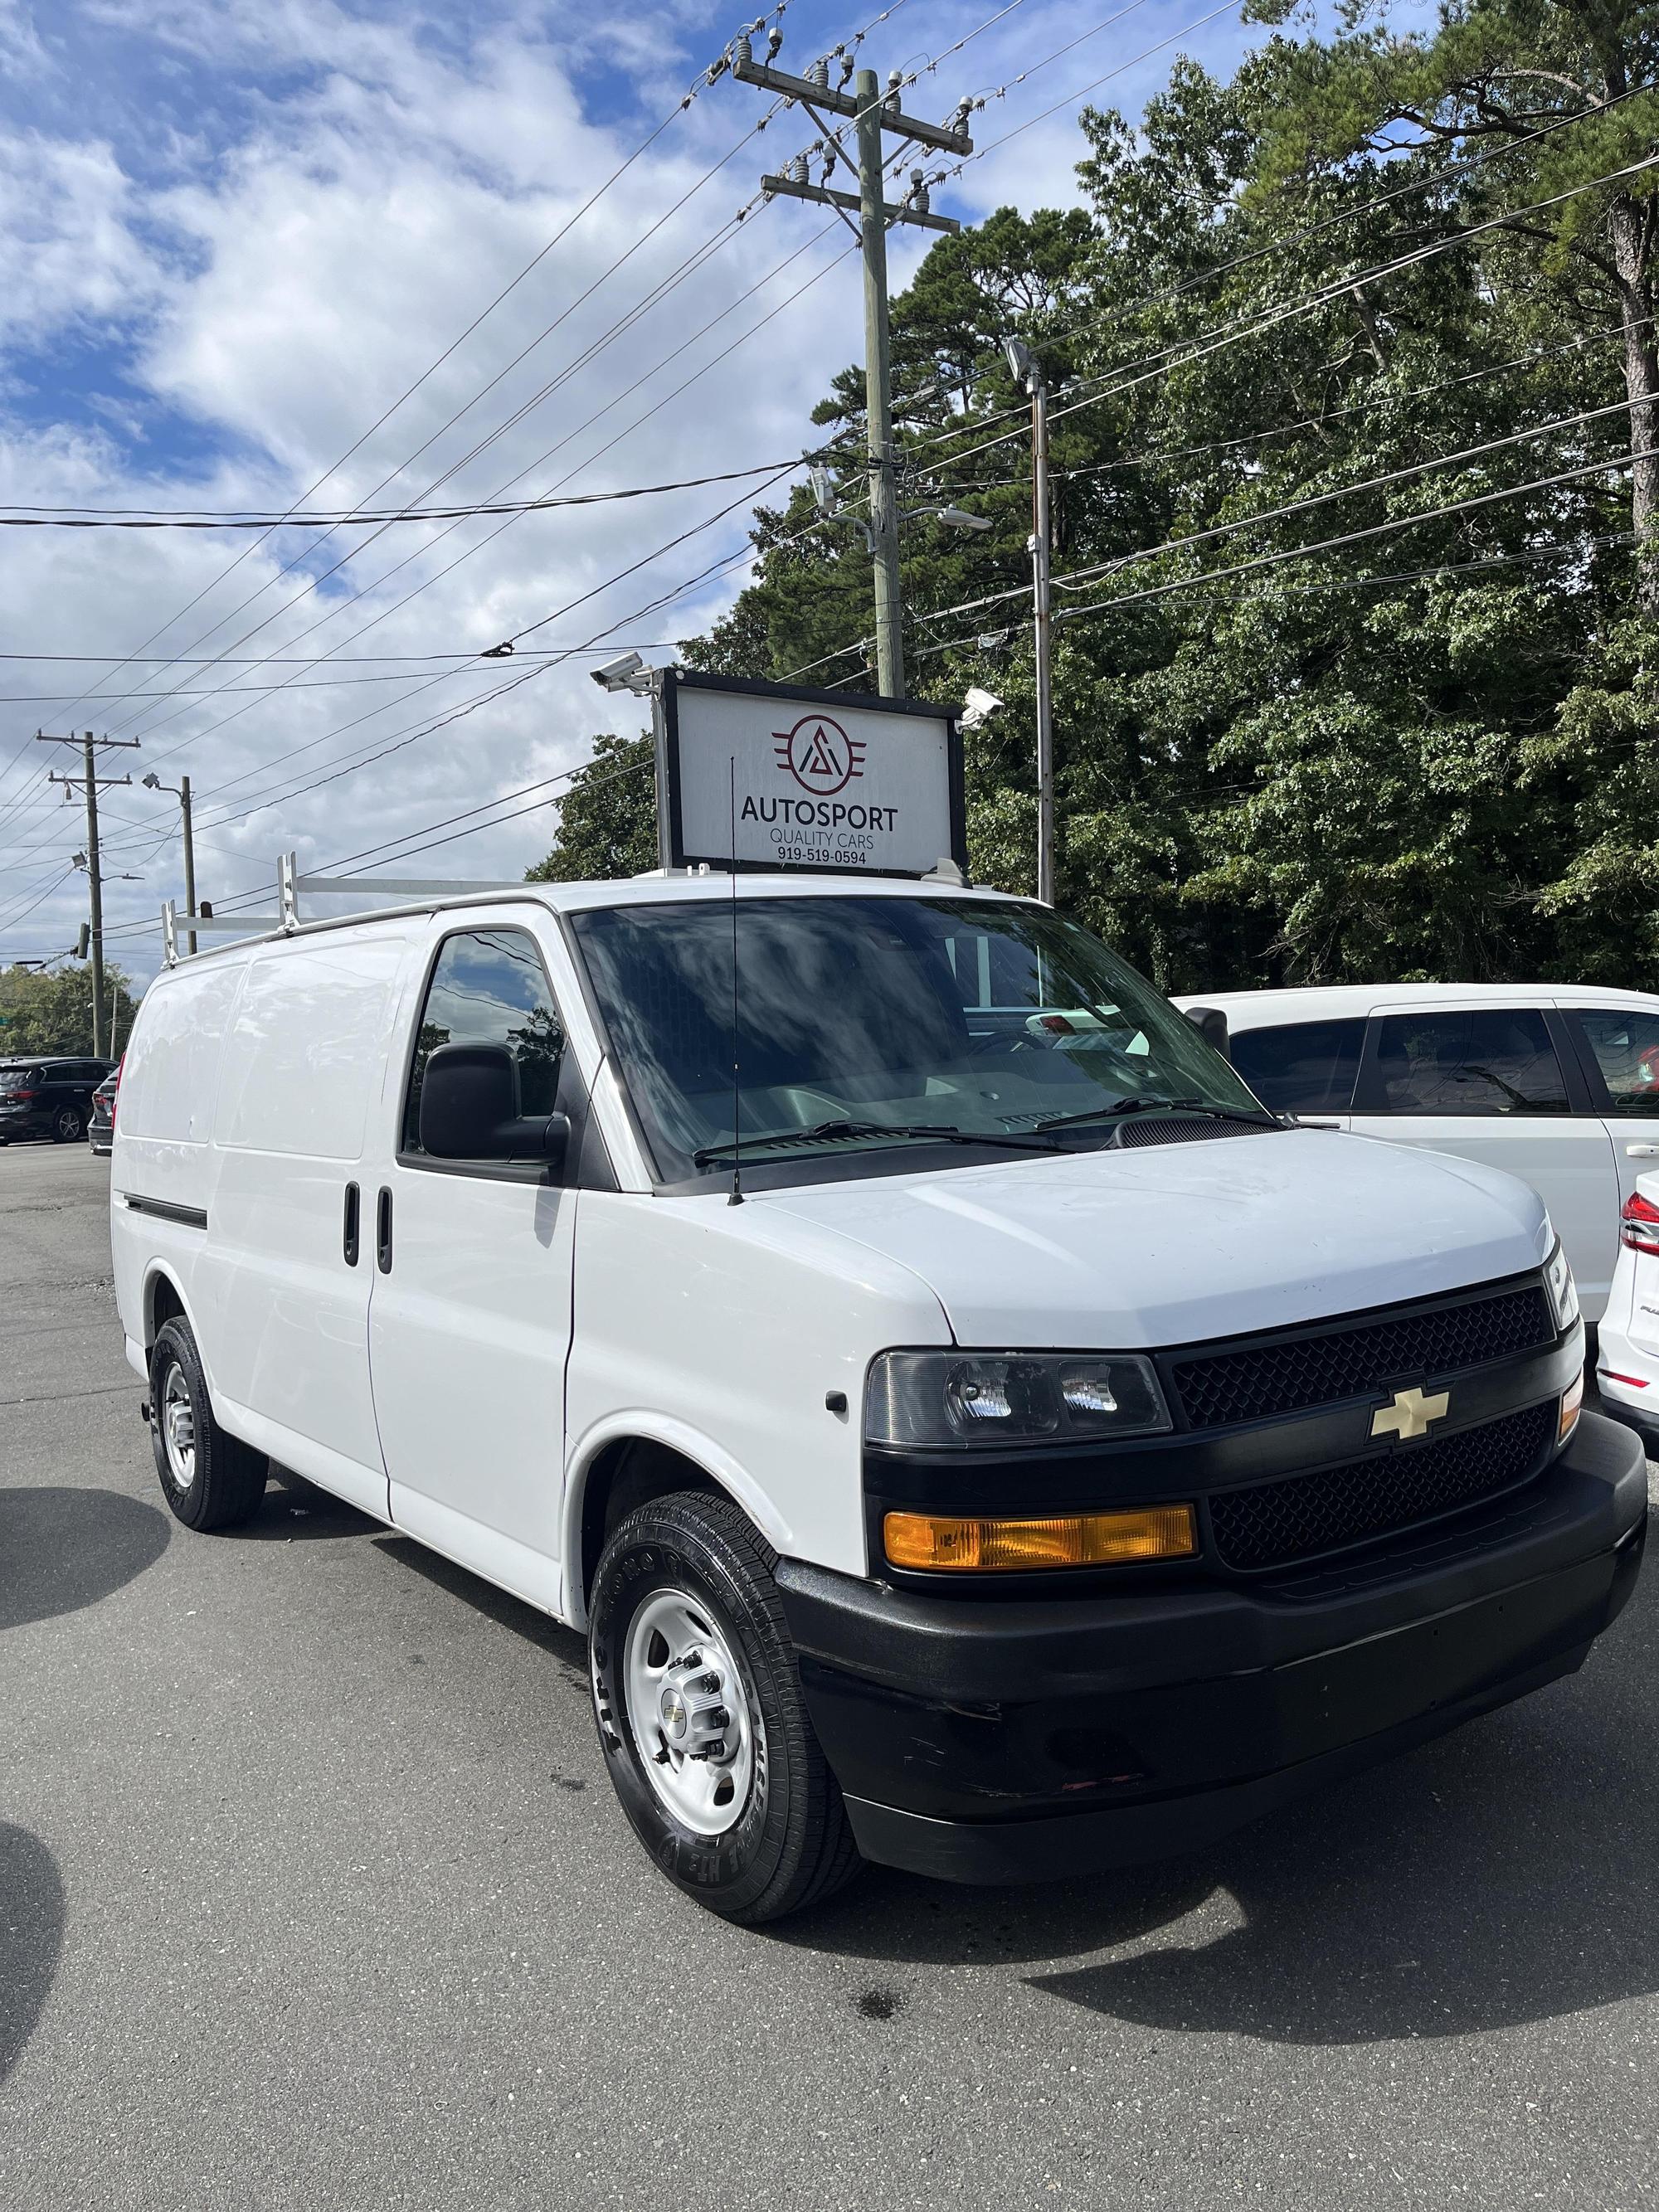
(697, 1697)
(211, 1478)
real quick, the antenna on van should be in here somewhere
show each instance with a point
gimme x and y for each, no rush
(736, 1198)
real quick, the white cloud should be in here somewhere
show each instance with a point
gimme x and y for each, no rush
(67, 254)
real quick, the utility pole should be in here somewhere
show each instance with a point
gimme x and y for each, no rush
(1027, 370)
(873, 113)
(88, 781)
(181, 790)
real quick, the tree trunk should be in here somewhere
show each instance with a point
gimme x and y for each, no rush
(1632, 258)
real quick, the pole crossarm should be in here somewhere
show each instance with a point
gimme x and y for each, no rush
(843, 103)
(828, 196)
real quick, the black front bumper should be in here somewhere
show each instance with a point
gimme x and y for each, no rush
(1016, 1739)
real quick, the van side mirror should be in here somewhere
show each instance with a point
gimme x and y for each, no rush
(470, 1109)
(1211, 1025)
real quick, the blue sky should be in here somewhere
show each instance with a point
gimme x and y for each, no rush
(234, 232)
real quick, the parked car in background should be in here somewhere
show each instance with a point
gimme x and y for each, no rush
(48, 1096)
(100, 1129)
(1558, 1085)
(1627, 1356)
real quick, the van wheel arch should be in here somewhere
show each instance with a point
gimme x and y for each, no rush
(163, 1301)
(627, 1473)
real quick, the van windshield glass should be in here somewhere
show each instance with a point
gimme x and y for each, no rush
(866, 1022)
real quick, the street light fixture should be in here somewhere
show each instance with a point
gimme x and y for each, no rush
(181, 793)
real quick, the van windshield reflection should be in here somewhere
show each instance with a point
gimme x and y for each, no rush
(865, 1023)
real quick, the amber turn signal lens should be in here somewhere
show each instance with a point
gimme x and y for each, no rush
(1073, 1540)
(1571, 1399)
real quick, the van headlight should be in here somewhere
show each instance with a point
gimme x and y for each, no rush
(1563, 1290)
(993, 1397)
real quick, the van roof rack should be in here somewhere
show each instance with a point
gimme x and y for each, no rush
(291, 886)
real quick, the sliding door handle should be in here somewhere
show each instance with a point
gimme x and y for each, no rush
(353, 1213)
(383, 1233)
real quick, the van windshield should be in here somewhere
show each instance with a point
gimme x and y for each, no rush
(865, 1023)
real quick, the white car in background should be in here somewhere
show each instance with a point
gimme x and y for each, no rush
(1558, 1084)
(1627, 1359)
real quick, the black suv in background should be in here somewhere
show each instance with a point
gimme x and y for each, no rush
(48, 1098)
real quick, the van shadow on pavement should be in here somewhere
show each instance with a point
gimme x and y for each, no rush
(30, 1936)
(294, 1511)
(62, 1549)
(1504, 1876)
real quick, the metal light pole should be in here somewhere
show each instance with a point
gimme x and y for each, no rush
(182, 791)
(1026, 368)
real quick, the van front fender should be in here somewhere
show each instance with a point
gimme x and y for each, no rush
(689, 1444)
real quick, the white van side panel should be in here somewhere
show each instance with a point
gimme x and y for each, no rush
(287, 1317)
(162, 1151)
(718, 1330)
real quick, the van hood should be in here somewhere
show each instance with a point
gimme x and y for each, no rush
(1179, 1243)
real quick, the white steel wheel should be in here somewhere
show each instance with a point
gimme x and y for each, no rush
(178, 1420)
(691, 1712)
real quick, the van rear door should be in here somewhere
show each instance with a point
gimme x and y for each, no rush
(470, 1321)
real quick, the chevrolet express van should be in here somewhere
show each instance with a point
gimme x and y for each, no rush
(972, 1432)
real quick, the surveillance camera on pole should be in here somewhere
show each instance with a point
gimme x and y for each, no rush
(613, 675)
(627, 672)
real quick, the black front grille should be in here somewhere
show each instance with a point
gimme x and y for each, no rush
(1295, 1373)
(1272, 1524)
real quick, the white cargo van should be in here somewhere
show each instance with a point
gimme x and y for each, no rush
(972, 1431)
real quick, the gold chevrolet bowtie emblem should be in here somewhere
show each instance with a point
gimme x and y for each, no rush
(1410, 1413)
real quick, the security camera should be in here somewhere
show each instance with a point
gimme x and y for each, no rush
(978, 707)
(614, 675)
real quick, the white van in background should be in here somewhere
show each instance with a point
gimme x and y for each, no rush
(972, 1433)
(1558, 1085)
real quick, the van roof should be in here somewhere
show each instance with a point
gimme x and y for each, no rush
(657, 888)
(1315, 1002)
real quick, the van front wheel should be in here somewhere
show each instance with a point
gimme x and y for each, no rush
(697, 1697)
(211, 1478)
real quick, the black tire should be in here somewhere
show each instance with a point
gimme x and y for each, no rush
(227, 1477)
(66, 1125)
(790, 1846)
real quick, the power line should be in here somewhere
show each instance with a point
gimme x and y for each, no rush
(1079, 576)
(66, 518)
(563, 231)
(1361, 537)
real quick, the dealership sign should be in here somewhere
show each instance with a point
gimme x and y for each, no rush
(756, 775)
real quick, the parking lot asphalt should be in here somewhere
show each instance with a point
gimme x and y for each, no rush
(313, 1892)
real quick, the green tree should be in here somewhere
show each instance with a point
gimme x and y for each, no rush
(51, 1011)
(1419, 750)
(607, 817)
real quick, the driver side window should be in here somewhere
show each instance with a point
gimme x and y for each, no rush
(488, 987)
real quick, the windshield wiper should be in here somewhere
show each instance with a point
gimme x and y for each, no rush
(1112, 1106)
(848, 1132)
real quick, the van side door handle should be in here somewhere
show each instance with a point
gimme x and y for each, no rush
(383, 1232)
(353, 1211)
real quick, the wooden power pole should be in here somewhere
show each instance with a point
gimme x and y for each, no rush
(88, 781)
(872, 113)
